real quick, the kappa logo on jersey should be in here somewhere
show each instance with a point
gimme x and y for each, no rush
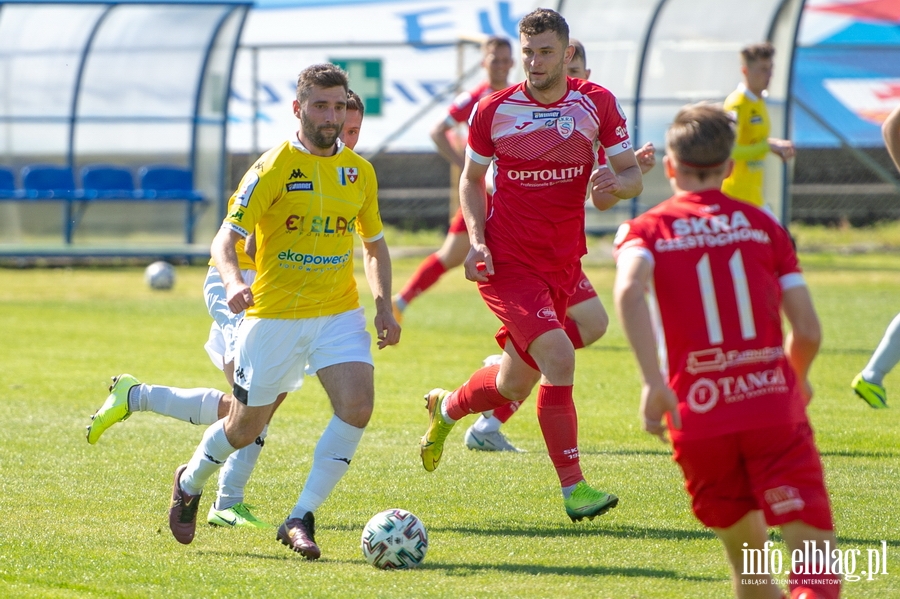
(547, 313)
(348, 174)
(565, 125)
(300, 186)
(259, 165)
(246, 190)
(297, 174)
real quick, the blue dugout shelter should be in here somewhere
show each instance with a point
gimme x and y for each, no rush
(127, 84)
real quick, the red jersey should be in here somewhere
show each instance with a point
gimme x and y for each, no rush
(543, 156)
(463, 104)
(719, 269)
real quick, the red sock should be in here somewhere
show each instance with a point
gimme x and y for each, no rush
(477, 395)
(573, 333)
(559, 424)
(816, 587)
(428, 273)
(505, 412)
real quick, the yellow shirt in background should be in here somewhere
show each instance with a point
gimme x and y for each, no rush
(750, 147)
(305, 210)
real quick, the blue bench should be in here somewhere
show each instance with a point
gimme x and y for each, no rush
(103, 183)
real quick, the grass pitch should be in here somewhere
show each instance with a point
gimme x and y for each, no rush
(90, 521)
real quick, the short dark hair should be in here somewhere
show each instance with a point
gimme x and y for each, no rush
(354, 102)
(755, 52)
(579, 51)
(700, 139)
(320, 75)
(543, 19)
(494, 42)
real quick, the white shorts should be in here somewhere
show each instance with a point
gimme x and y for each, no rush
(274, 354)
(223, 330)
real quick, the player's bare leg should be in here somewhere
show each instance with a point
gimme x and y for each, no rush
(748, 533)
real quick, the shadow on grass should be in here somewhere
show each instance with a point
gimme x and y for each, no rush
(537, 570)
(458, 569)
(563, 530)
(846, 453)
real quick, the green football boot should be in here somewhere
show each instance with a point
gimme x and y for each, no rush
(432, 444)
(872, 394)
(586, 502)
(236, 516)
(114, 409)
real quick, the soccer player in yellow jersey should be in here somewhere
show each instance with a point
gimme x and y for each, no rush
(747, 106)
(304, 199)
(204, 405)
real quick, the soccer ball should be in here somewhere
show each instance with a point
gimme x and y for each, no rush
(394, 539)
(160, 275)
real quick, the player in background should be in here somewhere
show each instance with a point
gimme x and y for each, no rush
(713, 360)
(497, 61)
(869, 384)
(586, 319)
(747, 104)
(544, 136)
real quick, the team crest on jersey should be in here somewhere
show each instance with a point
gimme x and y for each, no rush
(565, 125)
(348, 174)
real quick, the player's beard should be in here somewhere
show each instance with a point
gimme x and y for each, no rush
(316, 135)
(551, 78)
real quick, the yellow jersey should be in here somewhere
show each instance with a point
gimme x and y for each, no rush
(305, 210)
(751, 145)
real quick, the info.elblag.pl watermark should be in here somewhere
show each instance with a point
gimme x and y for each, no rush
(814, 559)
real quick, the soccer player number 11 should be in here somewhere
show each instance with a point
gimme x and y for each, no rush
(741, 294)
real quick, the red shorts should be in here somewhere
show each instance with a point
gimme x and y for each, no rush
(528, 303)
(583, 290)
(457, 224)
(775, 469)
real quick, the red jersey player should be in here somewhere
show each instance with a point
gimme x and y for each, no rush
(732, 388)
(544, 137)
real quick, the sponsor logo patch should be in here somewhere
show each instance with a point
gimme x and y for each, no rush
(545, 114)
(547, 313)
(242, 197)
(300, 186)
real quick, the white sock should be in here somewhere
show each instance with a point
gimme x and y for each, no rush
(444, 414)
(331, 460)
(236, 472)
(487, 424)
(197, 406)
(209, 456)
(886, 355)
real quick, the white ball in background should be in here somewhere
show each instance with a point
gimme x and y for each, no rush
(160, 275)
